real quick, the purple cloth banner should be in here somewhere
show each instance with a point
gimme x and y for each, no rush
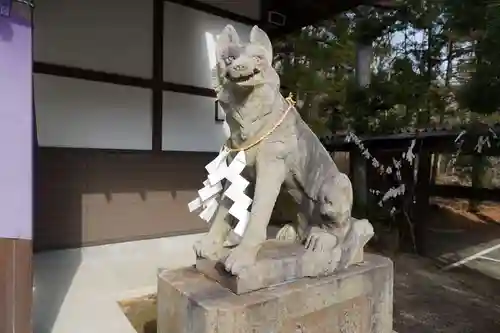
(16, 132)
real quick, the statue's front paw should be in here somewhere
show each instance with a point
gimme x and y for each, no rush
(240, 258)
(209, 249)
(321, 241)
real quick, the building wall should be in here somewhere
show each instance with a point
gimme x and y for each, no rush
(16, 143)
(125, 116)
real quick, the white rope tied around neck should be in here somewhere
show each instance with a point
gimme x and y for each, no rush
(218, 170)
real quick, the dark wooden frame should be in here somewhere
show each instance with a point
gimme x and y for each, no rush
(157, 84)
(204, 7)
(78, 165)
(217, 111)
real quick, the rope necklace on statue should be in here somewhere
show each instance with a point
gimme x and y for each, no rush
(291, 103)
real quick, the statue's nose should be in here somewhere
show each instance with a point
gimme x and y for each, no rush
(240, 67)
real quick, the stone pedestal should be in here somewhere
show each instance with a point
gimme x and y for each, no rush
(356, 300)
(277, 262)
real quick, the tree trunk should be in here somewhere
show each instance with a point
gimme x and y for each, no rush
(358, 162)
(479, 164)
(424, 166)
(437, 158)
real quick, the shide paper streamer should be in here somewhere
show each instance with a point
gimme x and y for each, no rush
(408, 156)
(393, 192)
(210, 195)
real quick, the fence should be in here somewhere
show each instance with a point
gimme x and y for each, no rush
(417, 176)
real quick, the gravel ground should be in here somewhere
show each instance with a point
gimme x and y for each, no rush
(427, 300)
(461, 300)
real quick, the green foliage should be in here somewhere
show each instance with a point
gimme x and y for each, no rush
(313, 64)
(435, 62)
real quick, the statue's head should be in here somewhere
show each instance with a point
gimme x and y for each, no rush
(245, 65)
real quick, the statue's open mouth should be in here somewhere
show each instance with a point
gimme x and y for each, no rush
(243, 78)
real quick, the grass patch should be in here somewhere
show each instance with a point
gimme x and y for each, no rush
(141, 312)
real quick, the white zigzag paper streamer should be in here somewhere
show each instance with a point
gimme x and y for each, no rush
(209, 195)
(236, 192)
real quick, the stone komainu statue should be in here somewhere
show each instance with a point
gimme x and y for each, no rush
(280, 151)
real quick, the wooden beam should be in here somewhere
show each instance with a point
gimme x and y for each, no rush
(384, 4)
(465, 192)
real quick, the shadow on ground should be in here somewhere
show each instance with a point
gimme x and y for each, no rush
(54, 272)
(453, 232)
(465, 299)
(428, 300)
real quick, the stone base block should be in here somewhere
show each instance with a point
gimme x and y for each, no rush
(356, 300)
(277, 262)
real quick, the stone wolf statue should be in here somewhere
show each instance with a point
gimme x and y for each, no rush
(287, 155)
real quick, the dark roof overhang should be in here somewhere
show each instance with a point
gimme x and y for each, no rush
(295, 14)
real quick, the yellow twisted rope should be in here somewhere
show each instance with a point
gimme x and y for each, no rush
(291, 103)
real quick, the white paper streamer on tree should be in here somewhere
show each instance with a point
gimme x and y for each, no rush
(407, 156)
(209, 196)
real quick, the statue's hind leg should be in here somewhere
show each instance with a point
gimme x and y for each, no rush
(333, 212)
(320, 240)
(294, 232)
(337, 228)
(360, 232)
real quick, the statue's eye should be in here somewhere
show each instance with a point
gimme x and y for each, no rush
(230, 59)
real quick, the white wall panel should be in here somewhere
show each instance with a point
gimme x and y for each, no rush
(188, 38)
(189, 123)
(106, 35)
(83, 114)
(247, 8)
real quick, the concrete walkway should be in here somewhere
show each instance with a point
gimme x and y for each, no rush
(76, 291)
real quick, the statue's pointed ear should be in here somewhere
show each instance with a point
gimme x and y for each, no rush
(227, 37)
(260, 38)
